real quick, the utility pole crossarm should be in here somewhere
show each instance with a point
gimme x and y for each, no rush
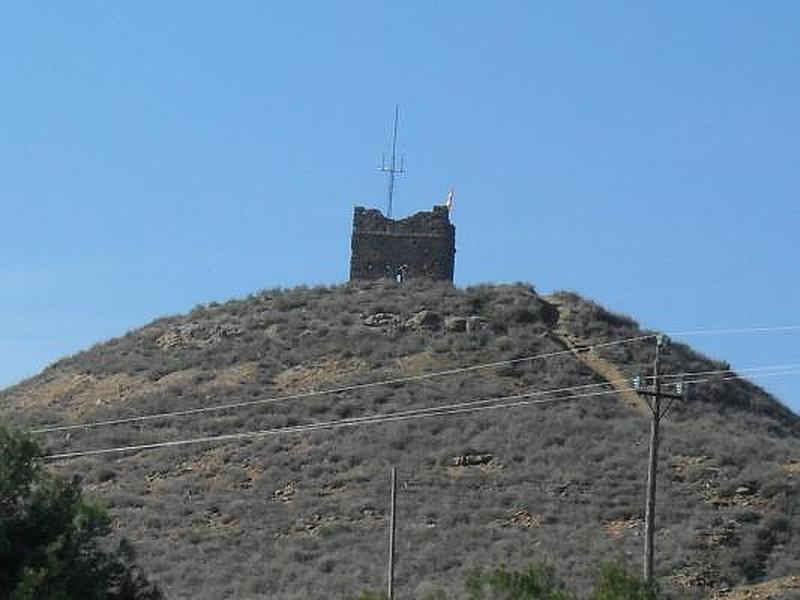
(680, 393)
(652, 393)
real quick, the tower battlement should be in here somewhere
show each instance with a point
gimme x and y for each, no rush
(421, 245)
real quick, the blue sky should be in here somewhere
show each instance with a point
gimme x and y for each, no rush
(155, 156)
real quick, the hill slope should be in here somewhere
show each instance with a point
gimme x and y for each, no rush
(303, 515)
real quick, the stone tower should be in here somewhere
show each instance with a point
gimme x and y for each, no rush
(422, 245)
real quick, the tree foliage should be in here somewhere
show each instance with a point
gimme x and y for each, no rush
(53, 544)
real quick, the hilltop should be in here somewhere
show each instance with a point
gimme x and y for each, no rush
(303, 515)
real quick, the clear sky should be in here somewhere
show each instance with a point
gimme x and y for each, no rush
(158, 155)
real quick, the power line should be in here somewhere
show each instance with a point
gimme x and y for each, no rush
(752, 371)
(193, 411)
(395, 381)
(743, 330)
(336, 424)
(315, 393)
(435, 411)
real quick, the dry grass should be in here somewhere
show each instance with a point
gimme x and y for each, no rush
(304, 516)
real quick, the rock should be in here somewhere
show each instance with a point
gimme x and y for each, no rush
(382, 319)
(425, 319)
(195, 335)
(285, 493)
(171, 339)
(469, 460)
(744, 490)
(476, 324)
(455, 324)
(523, 518)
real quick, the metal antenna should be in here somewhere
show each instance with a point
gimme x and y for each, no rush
(392, 168)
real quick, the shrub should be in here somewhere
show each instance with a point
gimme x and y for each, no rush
(368, 595)
(614, 583)
(535, 583)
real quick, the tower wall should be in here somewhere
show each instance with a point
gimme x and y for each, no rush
(422, 245)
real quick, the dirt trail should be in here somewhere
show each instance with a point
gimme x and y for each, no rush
(585, 353)
(785, 588)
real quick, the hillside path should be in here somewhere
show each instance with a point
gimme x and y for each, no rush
(586, 353)
(775, 589)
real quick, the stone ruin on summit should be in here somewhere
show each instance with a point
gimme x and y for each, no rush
(422, 245)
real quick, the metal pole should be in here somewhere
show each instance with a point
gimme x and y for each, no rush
(650, 509)
(392, 523)
(392, 169)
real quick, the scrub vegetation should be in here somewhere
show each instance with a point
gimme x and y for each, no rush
(304, 515)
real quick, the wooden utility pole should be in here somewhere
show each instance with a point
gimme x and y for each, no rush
(392, 523)
(652, 466)
(653, 396)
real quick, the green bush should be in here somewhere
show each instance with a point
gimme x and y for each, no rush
(614, 583)
(368, 595)
(538, 582)
(535, 583)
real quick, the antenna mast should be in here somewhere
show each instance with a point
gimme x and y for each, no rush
(392, 168)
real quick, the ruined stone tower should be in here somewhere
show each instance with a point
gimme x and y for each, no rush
(422, 245)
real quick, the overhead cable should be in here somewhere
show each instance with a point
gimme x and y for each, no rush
(735, 331)
(523, 399)
(315, 393)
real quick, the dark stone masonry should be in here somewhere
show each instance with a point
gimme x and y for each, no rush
(422, 245)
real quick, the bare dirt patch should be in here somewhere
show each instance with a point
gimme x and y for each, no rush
(79, 392)
(235, 375)
(312, 377)
(792, 468)
(784, 588)
(620, 527)
(415, 364)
